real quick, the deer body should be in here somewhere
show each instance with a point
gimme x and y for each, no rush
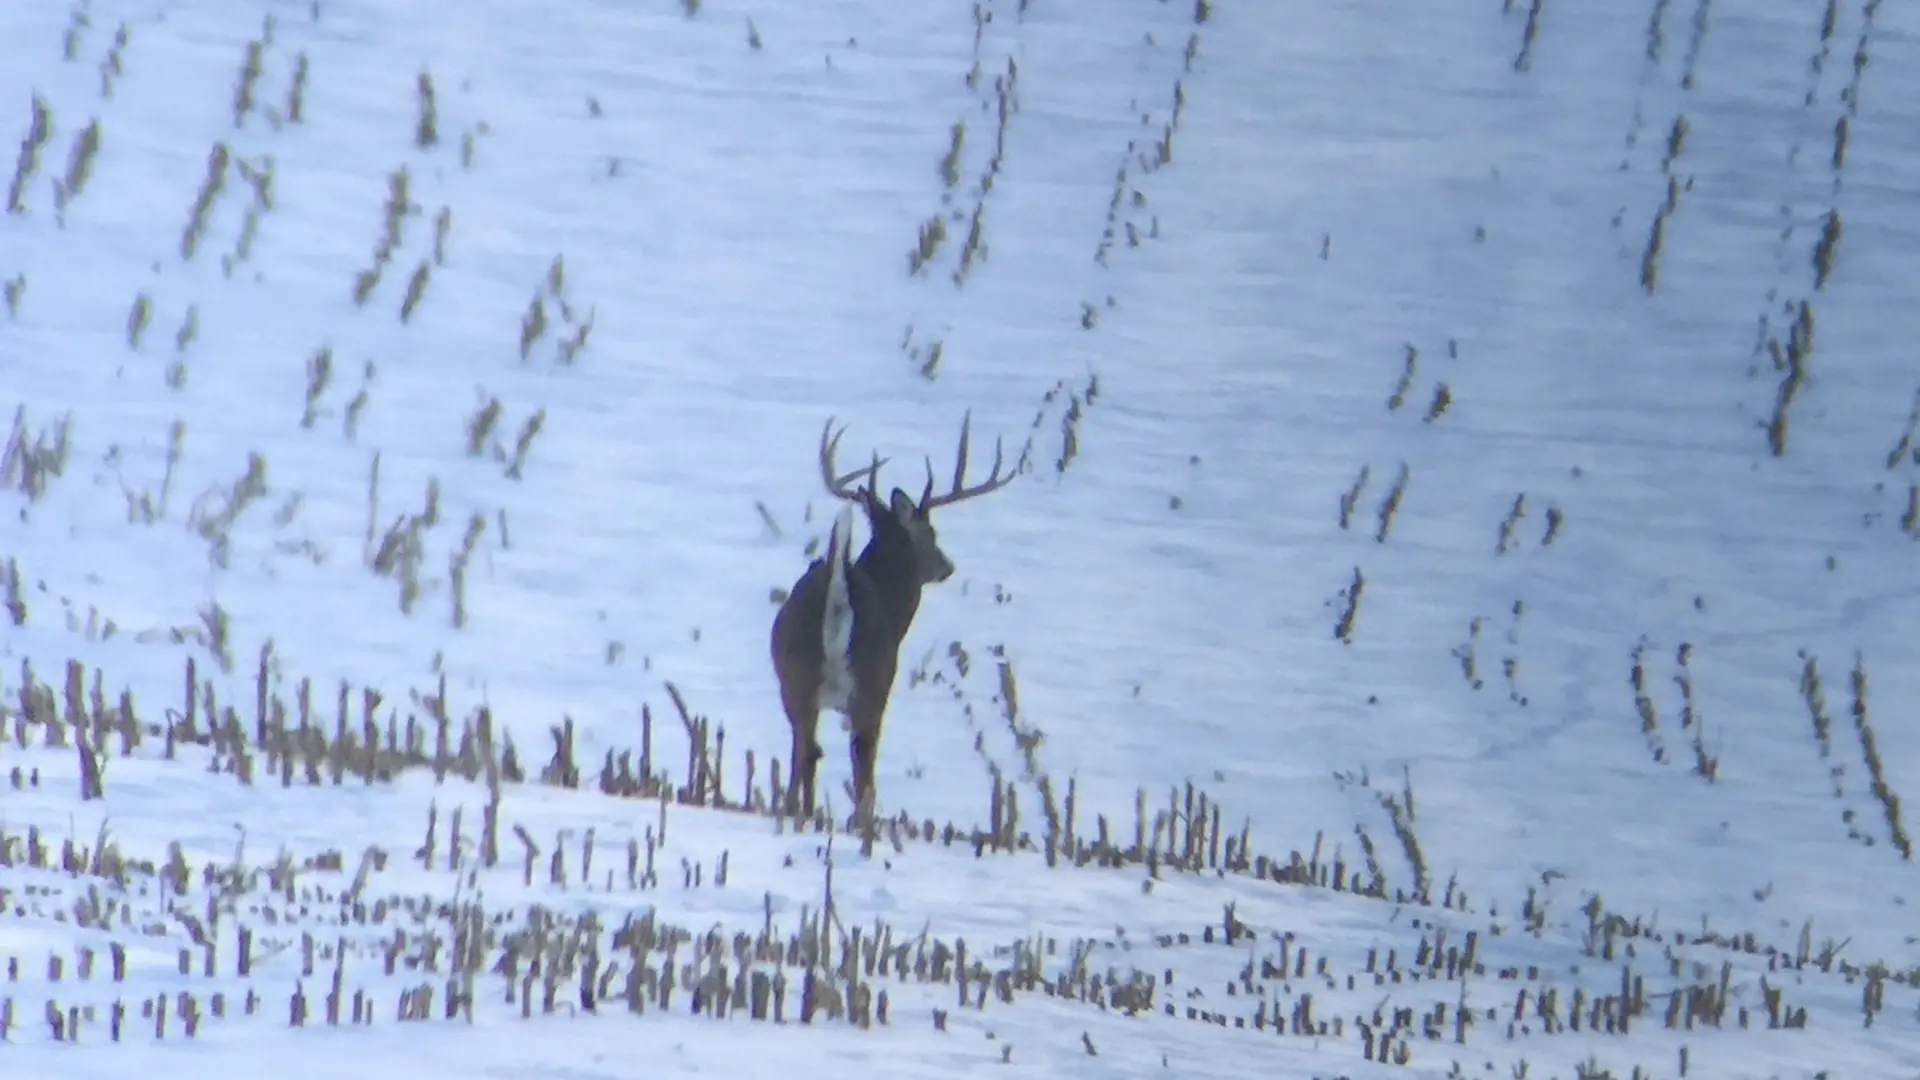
(836, 639)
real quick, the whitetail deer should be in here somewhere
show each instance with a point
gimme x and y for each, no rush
(836, 639)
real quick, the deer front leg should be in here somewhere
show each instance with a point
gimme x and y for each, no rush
(866, 755)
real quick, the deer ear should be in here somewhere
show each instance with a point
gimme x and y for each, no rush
(904, 507)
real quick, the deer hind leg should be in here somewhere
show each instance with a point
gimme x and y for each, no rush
(804, 716)
(806, 763)
(800, 697)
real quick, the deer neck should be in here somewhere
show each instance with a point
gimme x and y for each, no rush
(898, 588)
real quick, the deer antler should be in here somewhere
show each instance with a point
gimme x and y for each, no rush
(960, 492)
(837, 482)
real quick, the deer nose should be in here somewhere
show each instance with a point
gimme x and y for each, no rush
(943, 569)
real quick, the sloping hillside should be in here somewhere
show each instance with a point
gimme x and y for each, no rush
(1457, 613)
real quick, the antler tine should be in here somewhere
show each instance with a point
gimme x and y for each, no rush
(960, 491)
(837, 482)
(960, 466)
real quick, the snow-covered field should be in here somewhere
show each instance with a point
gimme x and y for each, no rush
(1458, 617)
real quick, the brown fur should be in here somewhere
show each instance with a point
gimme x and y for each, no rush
(902, 556)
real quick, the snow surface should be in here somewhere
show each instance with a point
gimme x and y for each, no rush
(1222, 333)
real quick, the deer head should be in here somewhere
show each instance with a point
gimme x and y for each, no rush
(903, 526)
